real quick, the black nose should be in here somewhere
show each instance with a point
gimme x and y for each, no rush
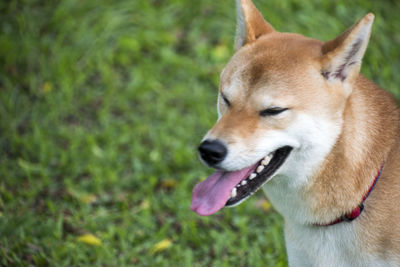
(212, 151)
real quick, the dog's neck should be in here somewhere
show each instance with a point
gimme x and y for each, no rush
(369, 127)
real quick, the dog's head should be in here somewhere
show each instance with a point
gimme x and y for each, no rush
(280, 105)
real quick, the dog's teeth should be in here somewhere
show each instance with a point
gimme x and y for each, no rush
(266, 160)
(234, 192)
(260, 168)
(244, 182)
(252, 176)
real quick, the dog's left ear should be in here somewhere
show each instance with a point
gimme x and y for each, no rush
(250, 23)
(342, 56)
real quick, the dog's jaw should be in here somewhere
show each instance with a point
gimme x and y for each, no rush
(263, 173)
(230, 188)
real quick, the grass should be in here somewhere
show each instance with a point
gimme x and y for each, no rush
(102, 105)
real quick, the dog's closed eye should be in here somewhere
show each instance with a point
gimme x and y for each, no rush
(227, 102)
(272, 111)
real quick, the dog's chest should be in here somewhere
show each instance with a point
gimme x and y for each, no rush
(337, 245)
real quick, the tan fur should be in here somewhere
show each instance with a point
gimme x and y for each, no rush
(284, 67)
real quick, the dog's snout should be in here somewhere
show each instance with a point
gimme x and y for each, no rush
(212, 151)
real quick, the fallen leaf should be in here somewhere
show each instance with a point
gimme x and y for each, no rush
(263, 204)
(47, 87)
(169, 183)
(89, 239)
(88, 199)
(161, 246)
(220, 52)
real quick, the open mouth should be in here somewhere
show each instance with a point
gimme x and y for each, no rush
(261, 174)
(224, 188)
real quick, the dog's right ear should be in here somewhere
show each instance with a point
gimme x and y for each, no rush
(250, 23)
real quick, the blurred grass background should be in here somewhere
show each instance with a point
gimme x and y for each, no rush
(102, 106)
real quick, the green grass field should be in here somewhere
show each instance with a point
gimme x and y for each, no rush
(102, 106)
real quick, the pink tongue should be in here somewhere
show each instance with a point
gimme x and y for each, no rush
(212, 194)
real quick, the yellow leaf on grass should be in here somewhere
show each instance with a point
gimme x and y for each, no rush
(169, 183)
(89, 239)
(263, 204)
(162, 245)
(88, 199)
(220, 52)
(47, 86)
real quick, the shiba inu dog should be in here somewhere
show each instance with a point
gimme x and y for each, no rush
(297, 119)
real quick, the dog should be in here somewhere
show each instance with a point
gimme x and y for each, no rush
(297, 119)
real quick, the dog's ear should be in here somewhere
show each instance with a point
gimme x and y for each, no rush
(250, 23)
(342, 56)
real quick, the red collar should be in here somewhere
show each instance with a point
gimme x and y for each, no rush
(357, 210)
